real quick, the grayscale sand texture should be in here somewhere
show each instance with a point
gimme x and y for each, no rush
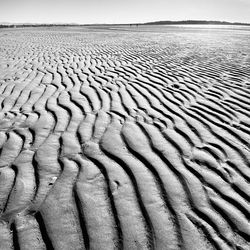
(125, 137)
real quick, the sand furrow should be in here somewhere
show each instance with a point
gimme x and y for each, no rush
(116, 138)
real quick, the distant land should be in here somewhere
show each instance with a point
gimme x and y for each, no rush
(198, 22)
(188, 22)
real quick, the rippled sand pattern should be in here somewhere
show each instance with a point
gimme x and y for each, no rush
(124, 139)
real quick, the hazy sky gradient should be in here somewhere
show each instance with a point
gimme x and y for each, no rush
(122, 11)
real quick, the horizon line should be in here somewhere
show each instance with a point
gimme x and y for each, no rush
(127, 23)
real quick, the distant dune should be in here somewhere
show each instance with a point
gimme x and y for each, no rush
(198, 22)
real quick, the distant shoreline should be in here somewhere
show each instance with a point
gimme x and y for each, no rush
(187, 22)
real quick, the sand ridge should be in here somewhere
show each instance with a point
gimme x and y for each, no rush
(124, 139)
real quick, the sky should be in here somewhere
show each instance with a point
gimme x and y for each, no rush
(122, 11)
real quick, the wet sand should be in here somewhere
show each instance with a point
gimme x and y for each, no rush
(125, 138)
